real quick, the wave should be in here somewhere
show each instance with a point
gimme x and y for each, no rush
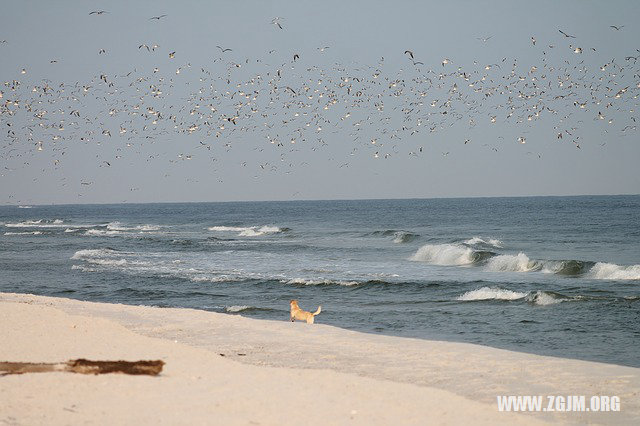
(538, 297)
(567, 267)
(611, 271)
(491, 293)
(489, 242)
(234, 309)
(401, 237)
(24, 233)
(25, 207)
(101, 233)
(544, 298)
(44, 223)
(117, 226)
(41, 223)
(249, 231)
(515, 263)
(449, 255)
(304, 281)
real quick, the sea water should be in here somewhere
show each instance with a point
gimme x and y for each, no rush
(556, 276)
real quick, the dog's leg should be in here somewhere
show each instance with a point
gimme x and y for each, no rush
(310, 319)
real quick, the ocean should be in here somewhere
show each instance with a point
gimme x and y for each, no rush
(556, 276)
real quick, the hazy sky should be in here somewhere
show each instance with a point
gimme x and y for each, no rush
(177, 166)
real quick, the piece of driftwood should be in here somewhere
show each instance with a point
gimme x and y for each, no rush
(85, 366)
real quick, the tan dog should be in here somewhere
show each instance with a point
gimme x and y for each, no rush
(299, 314)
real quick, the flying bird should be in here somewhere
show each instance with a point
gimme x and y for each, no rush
(98, 12)
(409, 52)
(617, 28)
(566, 35)
(224, 49)
(157, 17)
(276, 21)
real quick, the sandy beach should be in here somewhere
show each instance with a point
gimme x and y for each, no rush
(234, 370)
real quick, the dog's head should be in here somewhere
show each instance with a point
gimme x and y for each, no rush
(293, 303)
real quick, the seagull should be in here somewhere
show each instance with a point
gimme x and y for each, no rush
(276, 21)
(172, 54)
(224, 49)
(296, 56)
(533, 40)
(157, 17)
(98, 12)
(484, 39)
(566, 35)
(409, 52)
(617, 28)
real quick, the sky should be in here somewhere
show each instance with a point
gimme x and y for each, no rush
(408, 149)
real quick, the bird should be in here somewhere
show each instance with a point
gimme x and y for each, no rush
(409, 52)
(276, 21)
(533, 40)
(172, 55)
(296, 56)
(224, 49)
(484, 39)
(616, 27)
(98, 12)
(566, 35)
(157, 18)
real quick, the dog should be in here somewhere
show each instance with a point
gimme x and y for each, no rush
(299, 314)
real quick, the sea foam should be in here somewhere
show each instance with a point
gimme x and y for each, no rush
(611, 271)
(444, 254)
(249, 231)
(478, 240)
(491, 293)
(514, 263)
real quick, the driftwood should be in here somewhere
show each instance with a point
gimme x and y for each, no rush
(84, 366)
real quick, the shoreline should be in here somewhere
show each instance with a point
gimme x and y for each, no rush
(275, 372)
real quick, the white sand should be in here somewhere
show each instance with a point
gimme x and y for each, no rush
(289, 373)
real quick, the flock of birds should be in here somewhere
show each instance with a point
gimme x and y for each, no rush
(299, 107)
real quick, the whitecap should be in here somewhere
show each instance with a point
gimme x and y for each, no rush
(512, 263)
(305, 281)
(239, 308)
(611, 271)
(478, 240)
(444, 254)
(24, 233)
(491, 293)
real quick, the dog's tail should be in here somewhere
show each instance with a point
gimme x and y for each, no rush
(318, 311)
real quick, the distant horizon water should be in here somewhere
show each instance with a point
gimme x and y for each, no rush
(321, 200)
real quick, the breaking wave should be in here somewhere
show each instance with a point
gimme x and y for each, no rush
(538, 297)
(449, 255)
(233, 309)
(515, 263)
(489, 242)
(249, 231)
(41, 223)
(491, 293)
(399, 237)
(117, 226)
(611, 271)
(24, 233)
(304, 281)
